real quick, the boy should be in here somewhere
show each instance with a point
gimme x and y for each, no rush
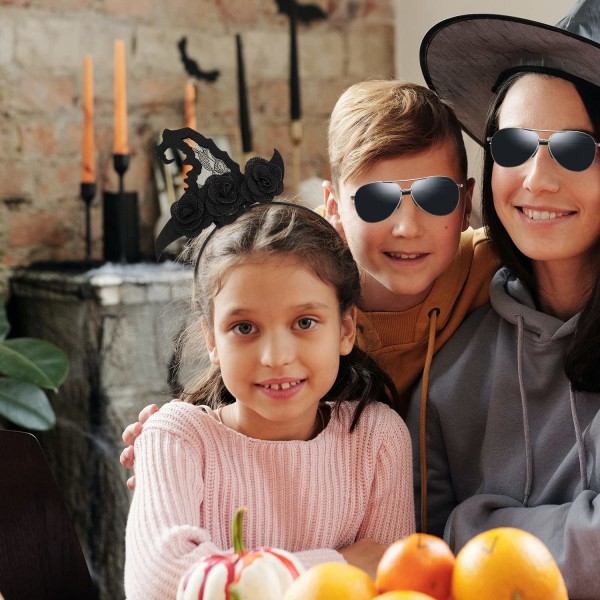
(421, 277)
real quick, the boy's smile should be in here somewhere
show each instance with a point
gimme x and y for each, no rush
(401, 257)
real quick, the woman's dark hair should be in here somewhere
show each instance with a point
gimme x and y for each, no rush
(583, 358)
(283, 229)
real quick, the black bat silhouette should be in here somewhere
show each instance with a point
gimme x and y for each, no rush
(192, 68)
(304, 12)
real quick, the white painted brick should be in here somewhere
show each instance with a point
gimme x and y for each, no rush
(49, 43)
(7, 42)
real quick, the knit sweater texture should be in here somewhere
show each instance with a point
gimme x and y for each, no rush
(308, 497)
(398, 339)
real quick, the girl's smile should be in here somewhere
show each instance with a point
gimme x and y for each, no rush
(281, 390)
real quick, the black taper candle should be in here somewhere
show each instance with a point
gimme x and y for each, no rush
(121, 164)
(88, 191)
(295, 111)
(243, 99)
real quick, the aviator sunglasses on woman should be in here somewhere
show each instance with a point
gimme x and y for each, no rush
(513, 146)
(435, 195)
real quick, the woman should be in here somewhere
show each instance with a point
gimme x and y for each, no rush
(513, 423)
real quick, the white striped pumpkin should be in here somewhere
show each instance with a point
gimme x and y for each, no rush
(258, 574)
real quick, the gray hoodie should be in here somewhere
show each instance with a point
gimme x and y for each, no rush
(509, 442)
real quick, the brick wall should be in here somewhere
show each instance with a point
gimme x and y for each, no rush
(42, 46)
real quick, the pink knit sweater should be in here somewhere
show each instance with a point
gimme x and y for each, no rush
(308, 497)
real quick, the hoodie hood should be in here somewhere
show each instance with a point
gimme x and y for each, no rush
(513, 301)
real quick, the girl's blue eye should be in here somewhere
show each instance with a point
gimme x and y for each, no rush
(306, 323)
(243, 328)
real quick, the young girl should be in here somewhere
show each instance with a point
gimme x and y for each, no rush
(289, 422)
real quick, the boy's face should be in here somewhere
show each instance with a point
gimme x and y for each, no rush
(401, 257)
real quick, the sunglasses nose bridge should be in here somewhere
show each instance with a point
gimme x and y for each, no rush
(403, 192)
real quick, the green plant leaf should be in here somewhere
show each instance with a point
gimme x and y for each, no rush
(4, 324)
(26, 405)
(35, 361)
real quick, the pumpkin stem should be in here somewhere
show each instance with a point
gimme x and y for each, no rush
(238, 531)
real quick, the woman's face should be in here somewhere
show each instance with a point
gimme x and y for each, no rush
(551, 214)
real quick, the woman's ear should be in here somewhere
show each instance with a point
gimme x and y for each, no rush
(348, 331)
(209, 338)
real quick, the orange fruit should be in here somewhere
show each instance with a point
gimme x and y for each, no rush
(403, 595)
(332, 581)
(507, 563)
(418, 562)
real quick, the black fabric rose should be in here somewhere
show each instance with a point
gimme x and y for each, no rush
(189, 215)
(263, 179)
(223, 198)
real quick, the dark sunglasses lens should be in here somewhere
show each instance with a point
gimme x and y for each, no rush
(512, 146)
(574, 150)
(376, 201)
(436, 195)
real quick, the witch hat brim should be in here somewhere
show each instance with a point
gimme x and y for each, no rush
(463, 57)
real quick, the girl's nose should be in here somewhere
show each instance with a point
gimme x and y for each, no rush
(277, 350)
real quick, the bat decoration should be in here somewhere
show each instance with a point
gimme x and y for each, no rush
(192, 68)
(305, 13)
(221, 197)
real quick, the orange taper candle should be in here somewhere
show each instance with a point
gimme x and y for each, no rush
(120, 142)
(190, 105)
(189, 110)
(88, 149)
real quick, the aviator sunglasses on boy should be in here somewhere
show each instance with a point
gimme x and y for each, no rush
(513, 146)
(436, 195)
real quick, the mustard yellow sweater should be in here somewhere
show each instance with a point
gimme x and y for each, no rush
(398, 340)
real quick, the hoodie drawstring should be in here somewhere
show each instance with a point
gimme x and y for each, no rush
(579, 436)
(526, 431)
(433, 314)
(528, 451)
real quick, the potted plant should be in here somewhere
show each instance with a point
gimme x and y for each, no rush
(28, 366)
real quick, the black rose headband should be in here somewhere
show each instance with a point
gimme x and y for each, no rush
(224, 195)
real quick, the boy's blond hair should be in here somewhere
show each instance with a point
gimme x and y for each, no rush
(381, 119)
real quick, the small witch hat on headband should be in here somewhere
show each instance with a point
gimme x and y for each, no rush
(221, 197)
(464, 58)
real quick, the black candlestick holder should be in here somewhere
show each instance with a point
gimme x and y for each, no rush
(88, 193)
(120, 217)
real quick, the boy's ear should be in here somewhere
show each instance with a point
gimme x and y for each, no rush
(332, 209)
(469, 189)
(348, 331)
(209, 338)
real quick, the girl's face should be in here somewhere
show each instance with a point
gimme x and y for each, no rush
(277, 336)
(552, 214)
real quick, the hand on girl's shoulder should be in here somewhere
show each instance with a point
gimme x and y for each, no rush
(178, 418)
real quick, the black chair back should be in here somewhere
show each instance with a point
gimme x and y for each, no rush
(40, 555)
